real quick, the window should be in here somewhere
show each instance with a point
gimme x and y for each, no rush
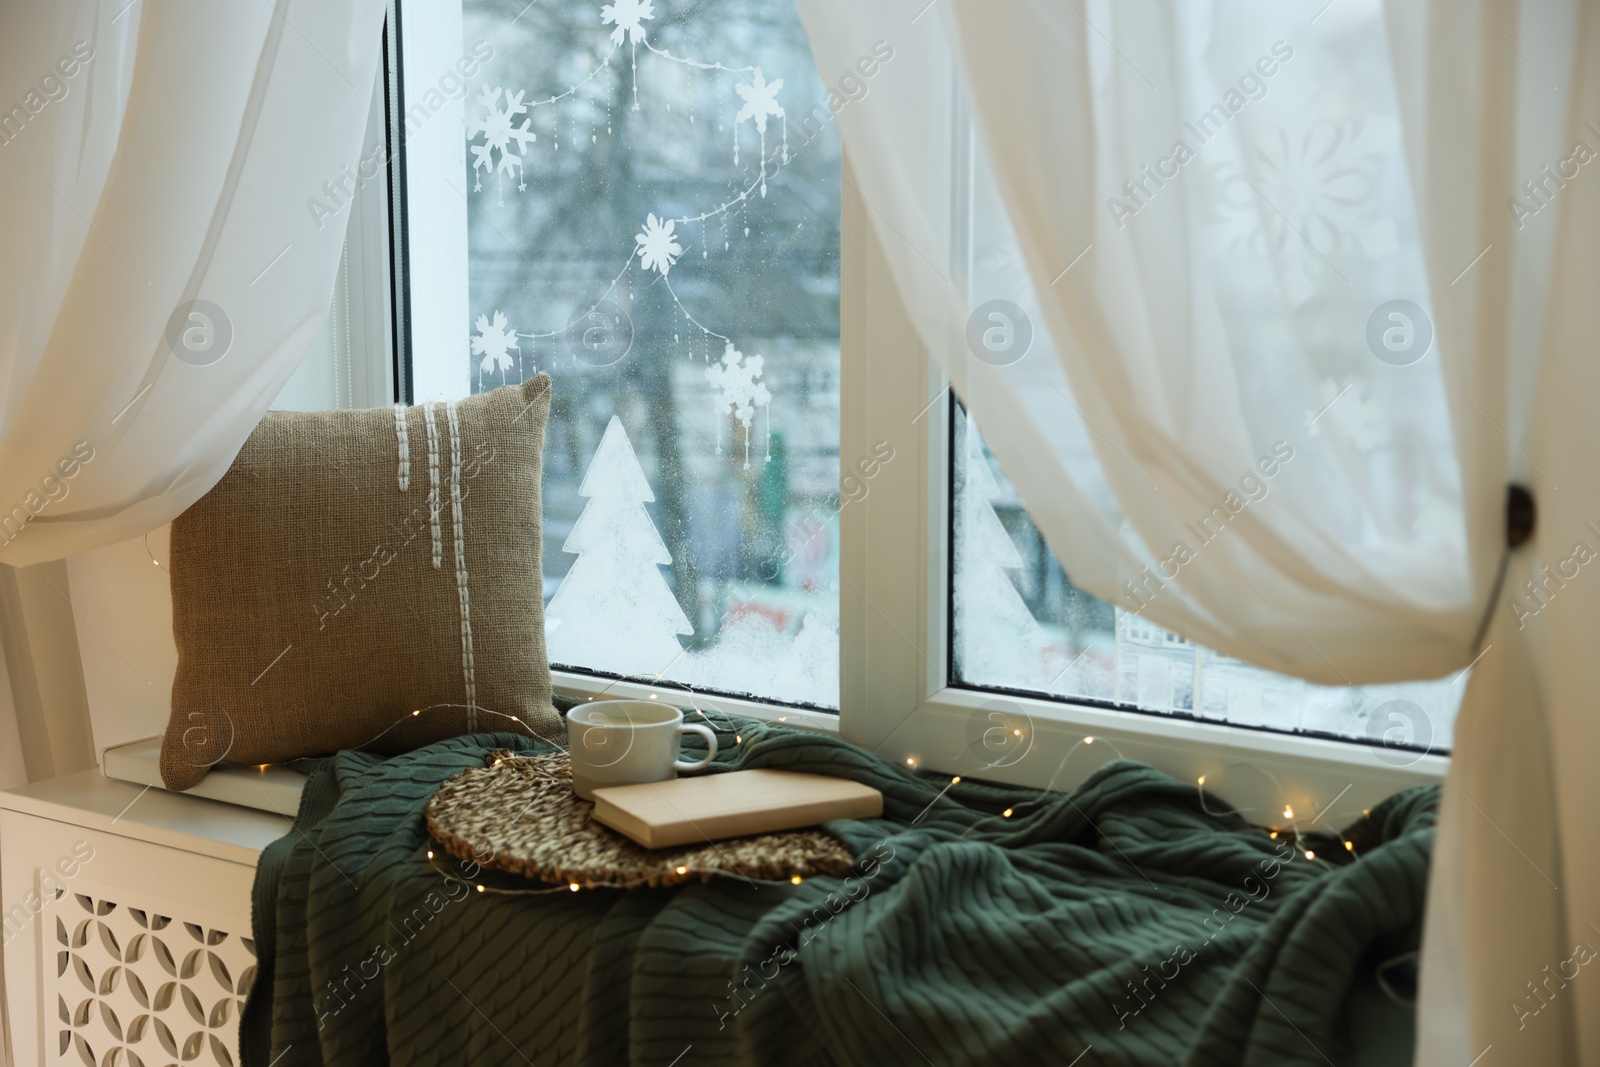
(644, 203)
(759, 494)
(1019, 624)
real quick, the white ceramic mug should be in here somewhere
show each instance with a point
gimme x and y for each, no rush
(624, 742)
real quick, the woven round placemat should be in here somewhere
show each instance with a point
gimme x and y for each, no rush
(519, 814)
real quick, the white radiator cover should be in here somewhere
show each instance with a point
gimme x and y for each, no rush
(152, 979)
(126, 914)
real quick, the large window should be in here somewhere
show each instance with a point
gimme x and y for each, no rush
(759, 494)
(644, 199)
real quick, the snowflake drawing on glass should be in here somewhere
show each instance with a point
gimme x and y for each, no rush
(658, 248)
(497, 132)
(500, 134)
(760, 100)
(735, 378)
(626, 18)
(614, 611)
(1303, 196)
(493, 342)
(1355, 417)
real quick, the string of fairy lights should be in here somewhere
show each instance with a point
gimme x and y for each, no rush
(1274, 832)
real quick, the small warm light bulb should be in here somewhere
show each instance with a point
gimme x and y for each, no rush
(1310, 855)
(481, 889)
(1016, 733)
(1088, 740)
(156, 562)
(414, 714)
(737, 739)
(783, 718)
(1006, 813)
(1273, 835)
(1288, 812)
(956, 780)
(652, 696)
(1202, 779)
(911, 761)
(573, 887)
(498, 762)
(1349, 846)
(795, 879)
(683, 870)
(430, 853)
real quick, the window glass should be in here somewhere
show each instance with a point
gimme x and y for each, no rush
(652, 217)
(1020, 624)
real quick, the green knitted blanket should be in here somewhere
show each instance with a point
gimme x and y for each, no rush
(1120, 924)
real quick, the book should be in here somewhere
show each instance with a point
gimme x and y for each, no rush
(711, 807)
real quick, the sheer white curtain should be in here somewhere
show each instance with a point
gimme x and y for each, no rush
(1288, 308)
(156, 157)
(162, 273)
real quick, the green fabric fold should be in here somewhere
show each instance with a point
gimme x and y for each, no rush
(1121, 919)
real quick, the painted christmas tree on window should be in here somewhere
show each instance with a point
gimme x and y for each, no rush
(614, 611)
(998, 637)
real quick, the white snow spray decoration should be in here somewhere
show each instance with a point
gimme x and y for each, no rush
(658, 248)
(496, 130)
(494, 342)
(614, 611)
(738, 391)
(627, 18)
(760, 100)
(499, 136)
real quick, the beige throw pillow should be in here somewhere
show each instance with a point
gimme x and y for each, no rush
(363, 579)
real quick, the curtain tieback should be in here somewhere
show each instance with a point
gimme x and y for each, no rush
(1522, 517)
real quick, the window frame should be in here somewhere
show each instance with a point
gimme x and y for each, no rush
(895, 693)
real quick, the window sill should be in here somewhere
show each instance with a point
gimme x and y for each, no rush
(578, 688)
(1258, 773)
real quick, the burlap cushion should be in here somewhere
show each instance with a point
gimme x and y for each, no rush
(363, 579)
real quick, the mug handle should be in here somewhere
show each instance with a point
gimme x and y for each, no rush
(711, 746)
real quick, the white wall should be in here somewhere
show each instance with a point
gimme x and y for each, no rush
(124, 617)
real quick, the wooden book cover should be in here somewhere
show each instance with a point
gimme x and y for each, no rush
(714, 806)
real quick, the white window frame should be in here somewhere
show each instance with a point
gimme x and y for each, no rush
(895, 699)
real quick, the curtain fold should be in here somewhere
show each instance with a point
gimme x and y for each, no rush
(163, 274)
(1138, 195)
(161, 277)
(1262, 309)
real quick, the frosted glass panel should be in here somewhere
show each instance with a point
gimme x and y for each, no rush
(651, 195)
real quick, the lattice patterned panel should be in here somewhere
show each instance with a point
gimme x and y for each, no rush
(133, 985)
